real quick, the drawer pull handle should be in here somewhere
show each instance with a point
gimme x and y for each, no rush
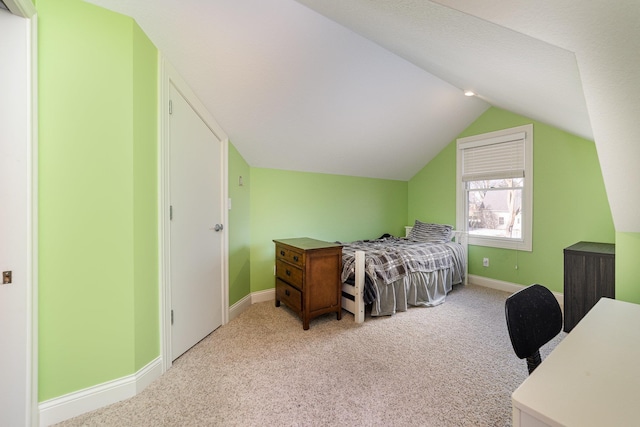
(288, 272)
(282, 253)
(295, 258)
(287, 293)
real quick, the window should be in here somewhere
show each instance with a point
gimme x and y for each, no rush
(495, 188)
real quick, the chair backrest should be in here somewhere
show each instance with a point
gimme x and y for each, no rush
(534, 318)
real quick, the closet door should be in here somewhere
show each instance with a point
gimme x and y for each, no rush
(196, 226)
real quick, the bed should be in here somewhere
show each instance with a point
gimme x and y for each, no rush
(393, 273)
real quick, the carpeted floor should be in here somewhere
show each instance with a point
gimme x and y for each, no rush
(450, 365)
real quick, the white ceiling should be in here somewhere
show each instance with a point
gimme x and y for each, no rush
(374, 88)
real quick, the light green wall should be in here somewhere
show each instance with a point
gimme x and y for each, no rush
(570, 203)
(628, 267)
(145, 199)
(239, 227)
(98, 318)
(432, 190)
(288, 204)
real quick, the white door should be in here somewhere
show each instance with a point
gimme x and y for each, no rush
(196, 216)
(15, 307)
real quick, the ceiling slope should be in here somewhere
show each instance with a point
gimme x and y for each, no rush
(508, 69)
(296, 90)
(372, 88)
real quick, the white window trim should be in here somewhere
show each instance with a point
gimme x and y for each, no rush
(526, 243)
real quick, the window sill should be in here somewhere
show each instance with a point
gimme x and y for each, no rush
(519, 245)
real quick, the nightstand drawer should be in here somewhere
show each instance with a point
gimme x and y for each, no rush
(289, 273)
(289, 295)
(291, 256)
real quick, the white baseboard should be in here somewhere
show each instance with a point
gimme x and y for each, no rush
(506, 286)
(148, 374)
(494, 284)
(262, 296)
(77, 403)
(236, 309)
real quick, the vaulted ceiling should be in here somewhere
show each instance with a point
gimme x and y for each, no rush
(374, 88)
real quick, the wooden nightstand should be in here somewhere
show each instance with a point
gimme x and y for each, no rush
(308, 277)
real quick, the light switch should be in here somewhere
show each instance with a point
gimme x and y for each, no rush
(6, 277)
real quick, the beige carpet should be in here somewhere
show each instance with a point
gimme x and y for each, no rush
(450, 365)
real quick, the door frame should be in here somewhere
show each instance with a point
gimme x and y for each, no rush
(26, 10)
(167, 76)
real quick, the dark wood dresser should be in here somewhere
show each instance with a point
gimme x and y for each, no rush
(589, 274)
(308, 277)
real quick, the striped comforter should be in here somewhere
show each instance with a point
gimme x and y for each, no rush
(391, 259)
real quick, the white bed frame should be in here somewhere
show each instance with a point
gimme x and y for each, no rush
(357, 305)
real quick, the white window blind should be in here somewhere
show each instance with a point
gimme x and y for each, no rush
(490, 158)
(498, 158)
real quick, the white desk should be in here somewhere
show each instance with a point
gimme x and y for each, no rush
(592, 378)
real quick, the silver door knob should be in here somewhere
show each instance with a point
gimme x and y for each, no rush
(217, 227)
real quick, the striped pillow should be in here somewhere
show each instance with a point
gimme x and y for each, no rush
(433, 233)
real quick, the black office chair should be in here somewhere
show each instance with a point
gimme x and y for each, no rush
(533, 318)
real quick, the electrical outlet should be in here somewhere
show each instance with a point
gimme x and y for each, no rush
(485, 262)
